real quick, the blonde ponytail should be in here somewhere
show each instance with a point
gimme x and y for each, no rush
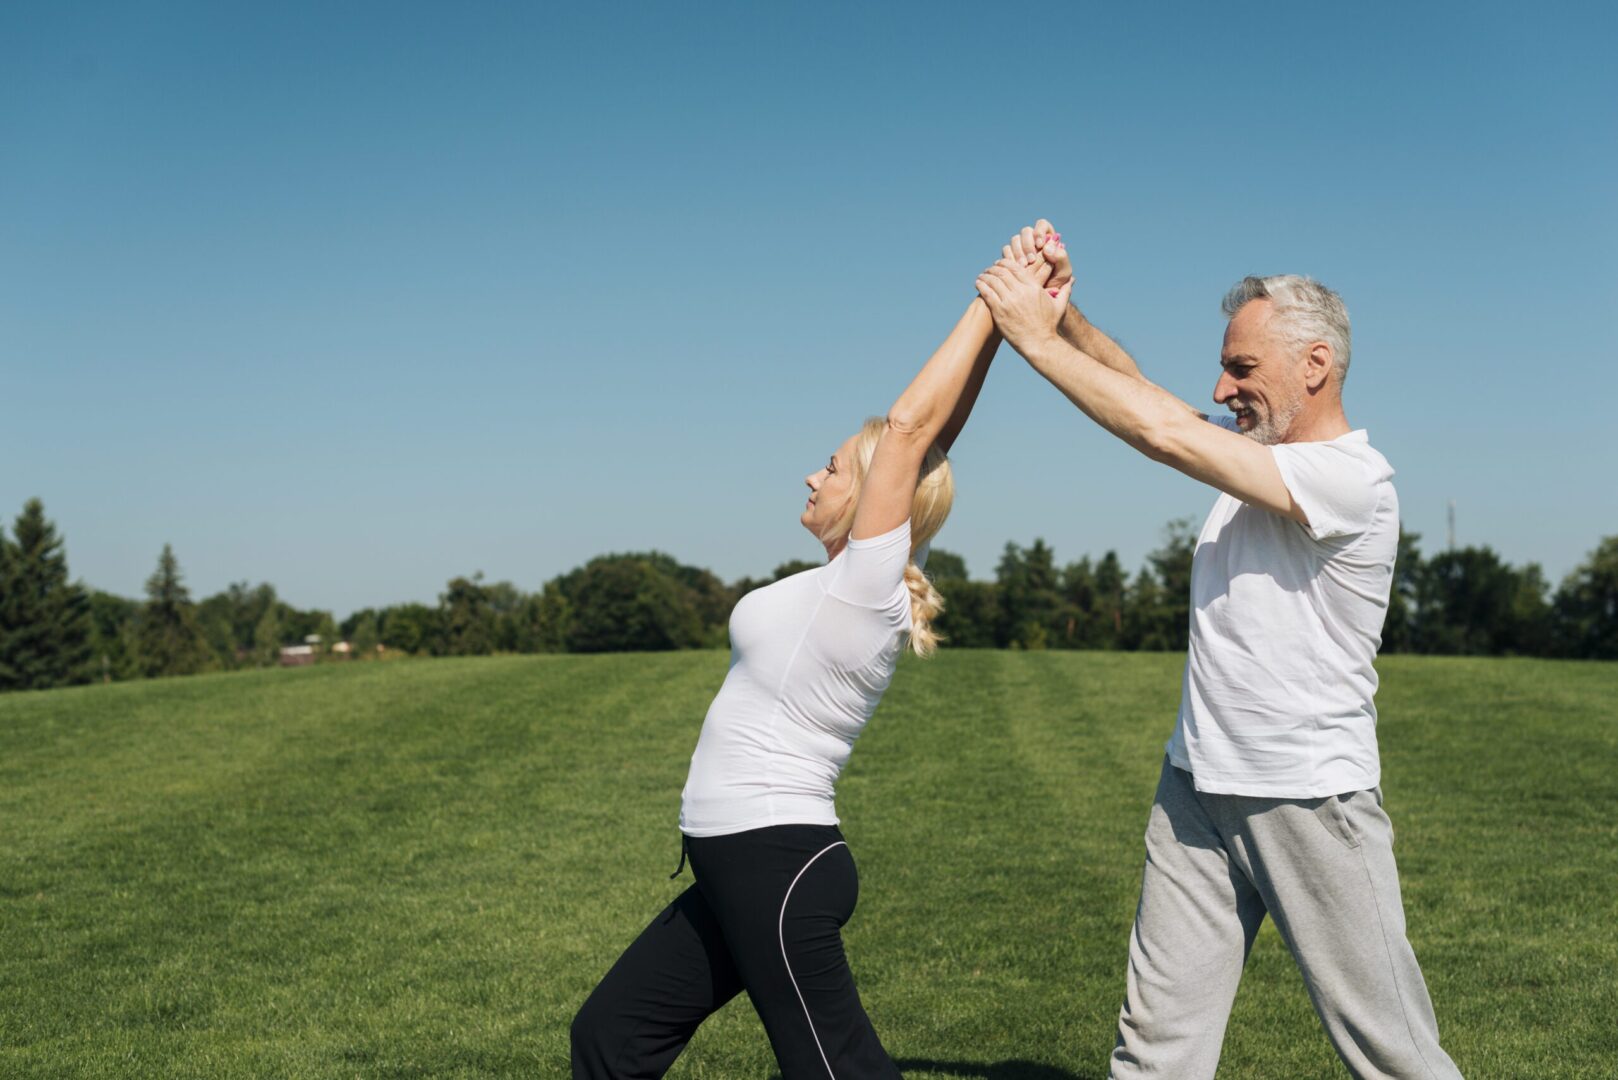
(925, 605)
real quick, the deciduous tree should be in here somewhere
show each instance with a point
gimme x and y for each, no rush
(1586, 606)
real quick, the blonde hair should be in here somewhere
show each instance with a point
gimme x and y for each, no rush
(935, 494)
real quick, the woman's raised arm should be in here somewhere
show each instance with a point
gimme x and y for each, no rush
(932, 409)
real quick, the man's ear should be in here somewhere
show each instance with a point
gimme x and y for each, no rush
(1318, 362)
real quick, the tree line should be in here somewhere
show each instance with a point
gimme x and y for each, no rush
(57, 632)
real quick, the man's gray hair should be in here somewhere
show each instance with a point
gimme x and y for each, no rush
(1305, 312)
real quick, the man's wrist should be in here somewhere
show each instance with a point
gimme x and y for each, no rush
(1037, 341)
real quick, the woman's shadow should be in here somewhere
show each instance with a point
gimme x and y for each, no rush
(989, 1070)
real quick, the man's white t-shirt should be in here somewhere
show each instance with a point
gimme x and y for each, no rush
(1286, 619)
(810, 658)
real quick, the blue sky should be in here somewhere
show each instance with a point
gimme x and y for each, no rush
(355, 298)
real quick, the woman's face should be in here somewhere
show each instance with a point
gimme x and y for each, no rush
(830, 490)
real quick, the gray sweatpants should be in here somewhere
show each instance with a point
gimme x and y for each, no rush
(1323, 869)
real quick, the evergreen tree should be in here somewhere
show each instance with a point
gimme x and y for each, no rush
(44, 618)
(1030, 602)
(1171, 566)
(1079, 600)
(1144, 625)
(1108, 613)
(112, 636)
(168, 639)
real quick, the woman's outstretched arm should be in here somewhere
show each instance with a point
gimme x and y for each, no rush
(974, 379)
(932, 409)
(919, 418)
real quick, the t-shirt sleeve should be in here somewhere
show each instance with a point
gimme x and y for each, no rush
(1226, 421)
(1337, 491)
(873, 569)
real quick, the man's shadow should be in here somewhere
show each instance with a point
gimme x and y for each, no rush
(989, 1070)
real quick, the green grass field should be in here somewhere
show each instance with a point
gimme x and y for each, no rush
(421, 869)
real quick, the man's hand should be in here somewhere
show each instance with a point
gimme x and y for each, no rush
(1016, 296)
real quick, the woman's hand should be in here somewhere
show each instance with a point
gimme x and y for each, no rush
(1040, 246)
(1054, 252)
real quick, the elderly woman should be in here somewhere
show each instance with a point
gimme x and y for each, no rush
(811, 656)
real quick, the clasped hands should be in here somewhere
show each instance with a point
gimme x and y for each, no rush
(1028, 289)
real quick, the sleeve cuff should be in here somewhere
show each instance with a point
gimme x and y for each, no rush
(1323, 525)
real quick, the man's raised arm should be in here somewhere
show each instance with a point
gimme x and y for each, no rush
(1040, 244)
(1041, 241)
(1147, 417)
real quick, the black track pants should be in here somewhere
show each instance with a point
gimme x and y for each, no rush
(764, 916)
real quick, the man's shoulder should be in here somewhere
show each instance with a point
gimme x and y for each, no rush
(1343, 484)
(1349, 456)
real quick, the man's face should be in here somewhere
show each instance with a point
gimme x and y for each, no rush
(1262, 383)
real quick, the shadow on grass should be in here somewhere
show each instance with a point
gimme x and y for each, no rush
(988, 1070)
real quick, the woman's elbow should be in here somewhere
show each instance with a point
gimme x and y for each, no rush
(907, 425)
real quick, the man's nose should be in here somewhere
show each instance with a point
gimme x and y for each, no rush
(1224, 389)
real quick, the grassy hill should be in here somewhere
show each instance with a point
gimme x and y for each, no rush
(421, 869)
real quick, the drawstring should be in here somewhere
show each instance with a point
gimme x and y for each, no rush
(681, 867)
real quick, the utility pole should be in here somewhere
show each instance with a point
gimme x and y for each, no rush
(1452, 524)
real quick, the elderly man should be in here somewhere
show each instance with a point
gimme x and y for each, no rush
(1269, 800)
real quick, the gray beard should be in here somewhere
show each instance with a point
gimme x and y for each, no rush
(1273, 429)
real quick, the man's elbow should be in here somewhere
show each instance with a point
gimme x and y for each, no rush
(1157, 442)
(1163, 439)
